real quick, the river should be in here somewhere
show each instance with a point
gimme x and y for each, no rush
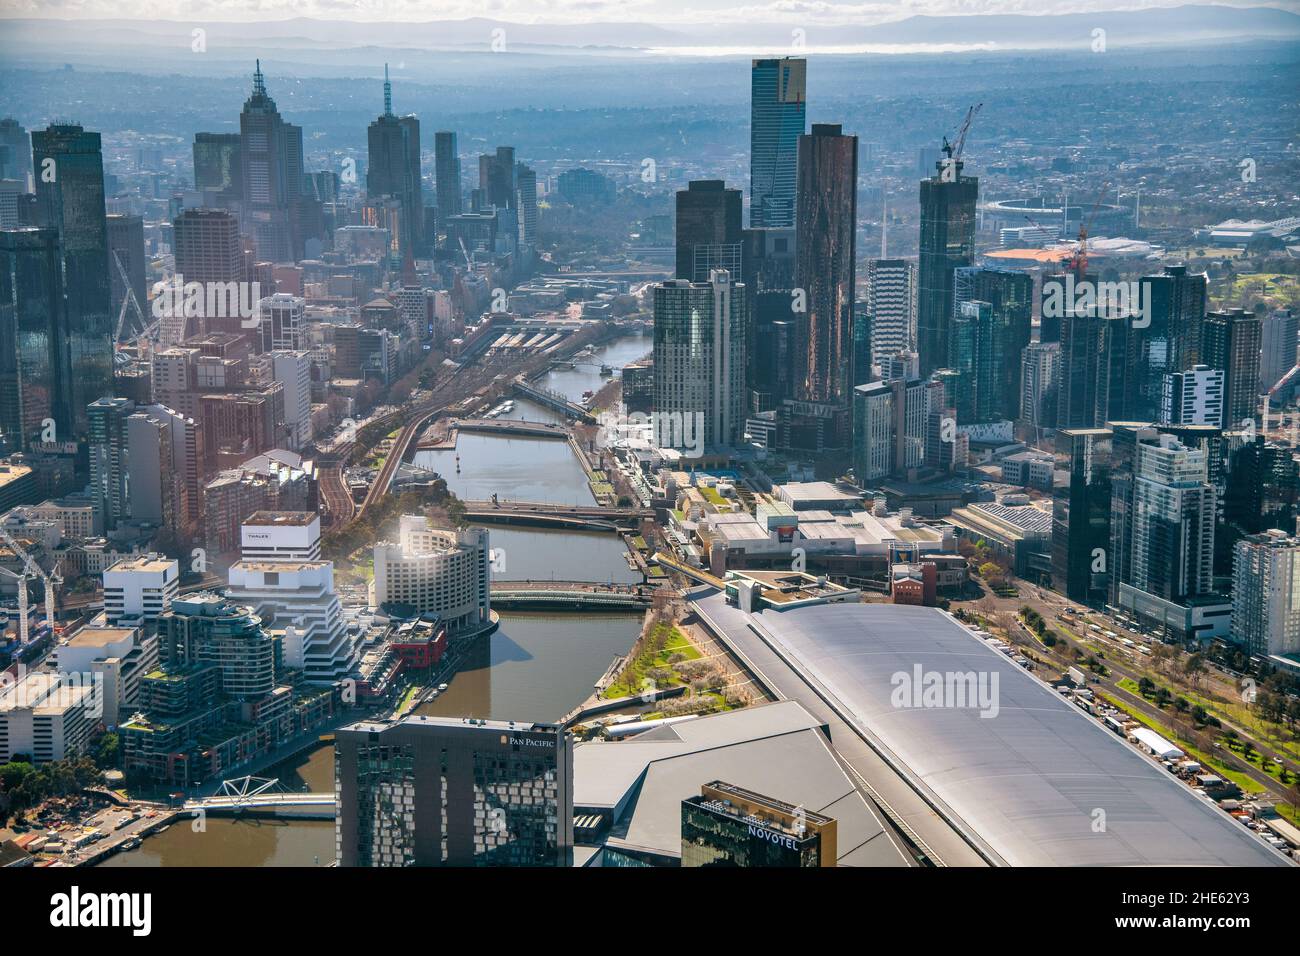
(537, 666)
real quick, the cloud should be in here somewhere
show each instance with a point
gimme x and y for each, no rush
(575, 11)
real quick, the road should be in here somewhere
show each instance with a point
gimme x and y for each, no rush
(1123, 662)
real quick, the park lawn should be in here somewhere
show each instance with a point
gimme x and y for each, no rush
(630, 681)
(1239, 714)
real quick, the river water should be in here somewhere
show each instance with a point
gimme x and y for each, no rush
(537, 666)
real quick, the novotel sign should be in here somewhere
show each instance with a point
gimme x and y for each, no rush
(772, 836)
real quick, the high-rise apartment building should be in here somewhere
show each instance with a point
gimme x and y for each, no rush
(437, 791)
(1266, 594)
(1279, 335)
(699, 362)
(526, 188)
(1040, 371)
(1193, 397)
(891, 303)
(778, 105)
(1009, 296)
(1231, 342)
(1173, 521)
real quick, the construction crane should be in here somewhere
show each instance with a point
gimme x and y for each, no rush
(30, 569)
(954, 149)
(469, 263)
(147, 330)
(1079, 261)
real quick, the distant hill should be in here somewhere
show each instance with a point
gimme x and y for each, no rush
(42, 38)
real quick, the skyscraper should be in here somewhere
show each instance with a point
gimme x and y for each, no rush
(1266, 594)
(217, 173)
(526, 187)
(891, 303)
(971, 350)
(15, 151)
(1173, 511)
(827, 221)
(1168, 340)
(1194, 397)
(709, 234)
(35, 376)
(1081, 514)
(110, 470)
(393, 170)
(947, 242)
(496, 178)
(438, 791)
(70, 200)
(126, 245)
(1277, 352)
(699, 362)
(270, 158)
(1084, 392)
(1040, 371)
(1009, 296)
(777, 120)
(1230, 341)
(446, 171)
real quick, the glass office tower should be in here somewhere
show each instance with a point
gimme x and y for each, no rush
(70, 199)
(777, 117)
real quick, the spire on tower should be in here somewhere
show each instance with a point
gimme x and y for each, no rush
(388, 93)
(259, 84)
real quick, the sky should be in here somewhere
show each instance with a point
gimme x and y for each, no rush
(794, 12)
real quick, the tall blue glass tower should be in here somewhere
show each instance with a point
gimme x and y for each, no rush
(777, 119)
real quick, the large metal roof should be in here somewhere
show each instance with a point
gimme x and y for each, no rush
(1038, 782)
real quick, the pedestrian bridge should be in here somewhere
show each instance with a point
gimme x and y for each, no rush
(262, 794)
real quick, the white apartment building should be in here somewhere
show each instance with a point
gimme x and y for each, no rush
(699, 362)
(293, 371)
(447, 573)
(873, 431)
(115, 659)
(1193, 397)
(891, 303)
(298, 598)
(46, 716)
(140, 587)
(1266, 594)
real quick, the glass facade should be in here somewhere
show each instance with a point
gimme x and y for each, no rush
(947, 243)
(70, 200)
(777, 119)
(713, 835)
(35, 378)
